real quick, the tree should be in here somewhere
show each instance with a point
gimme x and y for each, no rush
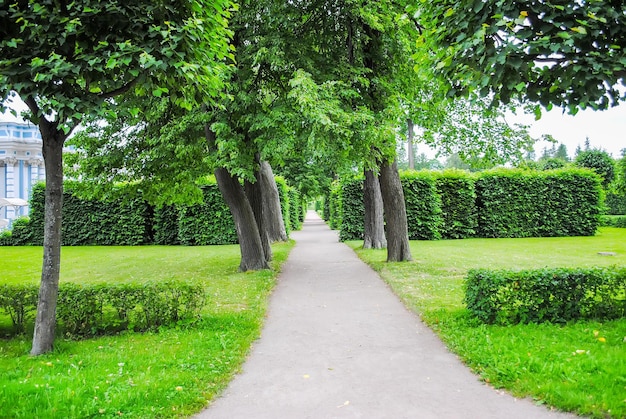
(68, 60)
(568, 54)
(561, 153)
(600, 162)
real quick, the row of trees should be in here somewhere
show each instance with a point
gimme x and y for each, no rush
(170, 91)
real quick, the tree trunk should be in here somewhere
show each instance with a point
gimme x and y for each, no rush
(410, 150)
(45, 321)
(395, 213)
(374, 225)
(254, 193)
(272, 212)
(252, 254)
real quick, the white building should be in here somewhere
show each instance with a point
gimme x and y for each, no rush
(21, 166)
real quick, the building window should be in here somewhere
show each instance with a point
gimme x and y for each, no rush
(3, 133)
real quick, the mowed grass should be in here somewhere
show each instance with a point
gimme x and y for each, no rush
(578, 367)
(171, 373)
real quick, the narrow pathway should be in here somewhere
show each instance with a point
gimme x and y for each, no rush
(338, 343)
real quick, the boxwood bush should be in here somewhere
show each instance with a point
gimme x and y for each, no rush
(546, 295)
(96, 309)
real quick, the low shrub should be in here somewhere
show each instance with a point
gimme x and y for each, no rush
(613, 221)
(6, 238)
(97, 309)
(546, 295)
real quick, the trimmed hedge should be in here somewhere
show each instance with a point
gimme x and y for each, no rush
(118, 221)
(498, 203)
(515, 203)
(96, 309)
(615, 203)
(458, 203)
(546, 295)
(209, 223)
(131, 221)
(296, 209)
(285, 204)
(353, 210)
(618, 221)
(423, 205)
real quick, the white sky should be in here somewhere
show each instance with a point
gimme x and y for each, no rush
(606, 129)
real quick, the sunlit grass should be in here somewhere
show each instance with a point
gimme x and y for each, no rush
(579, 367)
(167, 374)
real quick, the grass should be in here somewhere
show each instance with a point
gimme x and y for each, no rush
(172, 373)
(578, 367)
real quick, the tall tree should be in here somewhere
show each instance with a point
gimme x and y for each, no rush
(568, 54)
(67, 60)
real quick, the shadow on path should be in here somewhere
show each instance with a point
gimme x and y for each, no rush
(338, 343)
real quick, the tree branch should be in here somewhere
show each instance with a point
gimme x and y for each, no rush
(125, 88)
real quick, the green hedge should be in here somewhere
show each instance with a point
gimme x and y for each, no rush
(131, 221)
(499, 203)
(423, 205)
(546, 295)
(515, 203)
(618, 221)
(296, 209)
(334, 206)
(615, 203)
(118, 221)
(96, 309)
(458, 203)
(285, 204)
(209, 223)
(353, 211)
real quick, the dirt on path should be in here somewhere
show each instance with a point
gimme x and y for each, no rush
(337, 343)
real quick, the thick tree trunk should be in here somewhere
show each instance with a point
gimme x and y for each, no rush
(395, 213)
(272, 212)
(374, 225)
(254, 193)
(45, 322)
(252, 254)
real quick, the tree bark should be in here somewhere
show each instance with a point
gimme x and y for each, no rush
(45, 321)
(272, 212)
(252, 254)
(374, 225)
(395, 213)
(254, 193)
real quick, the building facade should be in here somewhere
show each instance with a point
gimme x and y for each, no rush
(21, 164)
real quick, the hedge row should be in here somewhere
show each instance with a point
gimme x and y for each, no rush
(131, 221)
(546, 295)
(615, 203)
(89, 310)
(618, 221)
(499, 203)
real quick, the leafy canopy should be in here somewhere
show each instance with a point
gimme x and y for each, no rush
(73, 57)
(568, 53)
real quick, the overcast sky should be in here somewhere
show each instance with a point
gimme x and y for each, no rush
(605, 129)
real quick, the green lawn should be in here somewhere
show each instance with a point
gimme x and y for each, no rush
(579, 367)
(167, 374)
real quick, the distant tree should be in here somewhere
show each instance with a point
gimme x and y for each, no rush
(587, 144)
(454, 161)
(561, 153)
(578, 150)
(600, 162)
